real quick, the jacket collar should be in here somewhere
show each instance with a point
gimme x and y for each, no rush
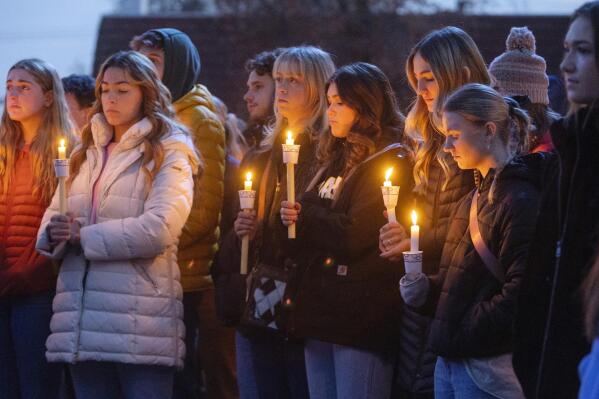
(102, 132)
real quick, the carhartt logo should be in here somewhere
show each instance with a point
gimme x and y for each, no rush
(342, 270)
(328, 188)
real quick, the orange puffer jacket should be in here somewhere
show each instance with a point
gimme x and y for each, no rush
(23, 271)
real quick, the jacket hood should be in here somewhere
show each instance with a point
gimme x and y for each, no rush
(198, 95)
(181, 62)
(102, 134)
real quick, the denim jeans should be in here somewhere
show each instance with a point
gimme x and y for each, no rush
(24, 328)
(246, 374)
(341, 372)
(279, 368)
(452, 381)
(107, 380)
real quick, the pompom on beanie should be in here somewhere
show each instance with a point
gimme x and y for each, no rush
(520, 71)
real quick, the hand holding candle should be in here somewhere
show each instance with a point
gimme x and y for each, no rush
(290, 158)
(61, 169)
(246, 201)
(390, 195)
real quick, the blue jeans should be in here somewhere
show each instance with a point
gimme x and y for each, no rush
(341, 372)
(107, 380)
(246, 374)
(452, 381)
(279, 368)
(24, 328)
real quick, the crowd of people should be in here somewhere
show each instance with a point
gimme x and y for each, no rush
(136, 291)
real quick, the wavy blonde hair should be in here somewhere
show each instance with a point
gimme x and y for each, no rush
(315, 66)
(55, 125)
(447, 51)
(156, 106)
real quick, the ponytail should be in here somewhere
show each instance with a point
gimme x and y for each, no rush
(519, 127)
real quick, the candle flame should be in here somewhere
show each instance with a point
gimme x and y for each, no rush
(248, 176)
(62, 143)
(289, 140)
(414, 218)
(388, 173)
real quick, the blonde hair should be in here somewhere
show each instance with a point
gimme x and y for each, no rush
(156, 107)
(480, 104)
(447, 51)
(316, 67)
(55, 125)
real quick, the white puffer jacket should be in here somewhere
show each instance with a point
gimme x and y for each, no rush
(118, 296)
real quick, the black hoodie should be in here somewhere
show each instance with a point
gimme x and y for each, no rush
(181, 62)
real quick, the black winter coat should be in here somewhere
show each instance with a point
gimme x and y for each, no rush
(348, 294)
(416, 363)
(569, 214)
(268, 245)
(475, 311)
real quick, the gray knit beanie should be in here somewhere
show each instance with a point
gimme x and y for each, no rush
(519, 71)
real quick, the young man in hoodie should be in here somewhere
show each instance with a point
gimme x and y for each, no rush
(177, 63)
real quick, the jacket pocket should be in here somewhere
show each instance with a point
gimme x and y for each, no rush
(140, 268)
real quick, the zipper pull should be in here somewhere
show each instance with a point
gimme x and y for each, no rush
(558, 249)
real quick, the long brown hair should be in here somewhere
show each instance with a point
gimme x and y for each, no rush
(55, 126)
(365, 89)
(447, 51)
(156, 107)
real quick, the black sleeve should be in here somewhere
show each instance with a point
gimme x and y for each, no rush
(352, 227)
(495, 317)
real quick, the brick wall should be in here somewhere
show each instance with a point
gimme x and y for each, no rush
(225, 43)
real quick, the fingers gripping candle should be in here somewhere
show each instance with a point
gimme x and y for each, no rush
(290, 158)
(246, 201)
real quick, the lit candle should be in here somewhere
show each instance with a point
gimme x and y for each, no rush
(247, 184)
(390, 196)
(387, 182)
(289, 140)
(246, 202)
(414, 233)
(62, 150)
(290, 158)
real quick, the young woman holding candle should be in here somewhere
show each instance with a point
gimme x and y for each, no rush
(118, 311)
(549, 328)
(440, 63)
(475, 292)
(34, 120)
(300, 75)
(347, 301)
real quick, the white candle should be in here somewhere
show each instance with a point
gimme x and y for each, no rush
(247, 184)
(290, 157)
(414, 233)
(246, 200)
(62, 150)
